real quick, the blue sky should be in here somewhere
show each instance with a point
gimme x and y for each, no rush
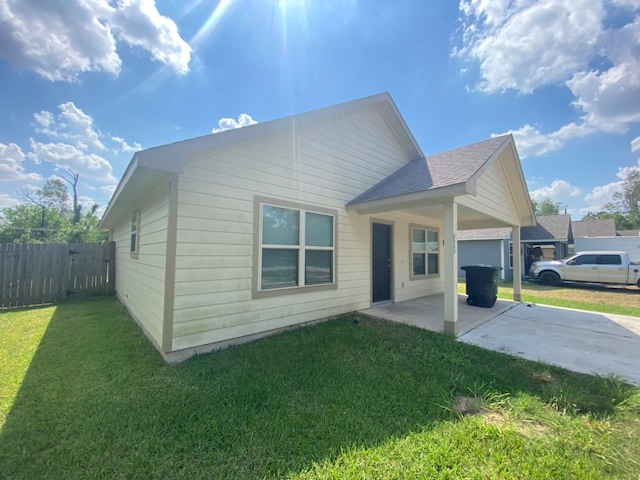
(85, 83)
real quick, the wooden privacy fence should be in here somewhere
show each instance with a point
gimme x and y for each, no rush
(35, 274)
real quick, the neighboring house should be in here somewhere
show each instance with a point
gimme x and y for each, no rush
(228, 237)
(602, 235)
(627, 233)
(594, 228)
(486, 246)
(547, 240)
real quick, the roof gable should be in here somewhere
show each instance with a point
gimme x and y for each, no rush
(436, 171)
(548, 228)
(167, 159)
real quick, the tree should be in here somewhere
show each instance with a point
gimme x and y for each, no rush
(45, 217)
(627, 200)
(73, 181)
(546, 207)
(625, 207)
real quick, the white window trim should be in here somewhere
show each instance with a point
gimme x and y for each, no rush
(260, 202)
(426, 229)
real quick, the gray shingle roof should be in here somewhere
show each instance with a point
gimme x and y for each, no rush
(627, 233)
(435, 171)
(484, 234)
(594, 228)
(548, 228)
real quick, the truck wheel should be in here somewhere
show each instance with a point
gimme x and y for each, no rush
(549, 278)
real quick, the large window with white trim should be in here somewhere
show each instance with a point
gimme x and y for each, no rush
(297, 248)
(424, 251)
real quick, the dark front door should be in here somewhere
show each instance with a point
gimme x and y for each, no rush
(381, 261)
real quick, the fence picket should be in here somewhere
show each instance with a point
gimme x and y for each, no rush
(34, 274)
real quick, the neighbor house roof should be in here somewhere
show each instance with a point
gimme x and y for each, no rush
(627, 233)
(594, 228)
(485, 234)
(557, 228)
(436, 172)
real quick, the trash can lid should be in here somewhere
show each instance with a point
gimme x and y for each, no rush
(480, 266)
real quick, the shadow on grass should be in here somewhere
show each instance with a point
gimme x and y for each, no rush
(98, 401)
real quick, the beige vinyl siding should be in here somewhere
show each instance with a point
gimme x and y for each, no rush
(140, 281)
(403, 287)
(323, 165)
(493, 195)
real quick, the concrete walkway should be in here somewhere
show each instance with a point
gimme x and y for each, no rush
(580, 341)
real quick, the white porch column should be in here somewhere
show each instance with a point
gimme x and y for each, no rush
(450, 268)
(517, 263)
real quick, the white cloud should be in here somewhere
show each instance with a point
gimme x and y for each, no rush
(533, 143)
(125, 147)
(140, 25)
(523, 45)
(66, 156)
(109, 189)
(11, 164)
(229, 123)
(635, 144)
(7, 202)
(558, 190)
(71, 125)
(610, 99)
(60, 39)
(526, 44)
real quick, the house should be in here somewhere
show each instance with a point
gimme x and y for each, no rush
(594, 228)
(549, 239)
(602, 235)
(228, 237)
(488, 246)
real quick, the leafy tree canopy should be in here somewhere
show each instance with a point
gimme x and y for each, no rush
(546, 206)
(46, 216)
(625, 207)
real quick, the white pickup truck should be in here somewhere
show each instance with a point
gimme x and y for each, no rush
(591, 267)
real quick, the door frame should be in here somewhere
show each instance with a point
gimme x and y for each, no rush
(390, 224)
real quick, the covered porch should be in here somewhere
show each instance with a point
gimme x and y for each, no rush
(428, 312)
(477, 186)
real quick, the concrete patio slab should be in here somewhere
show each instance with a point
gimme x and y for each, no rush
(428, 312)
(580, 341)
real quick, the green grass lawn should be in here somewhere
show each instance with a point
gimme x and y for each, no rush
(594, 298)
(84, 395)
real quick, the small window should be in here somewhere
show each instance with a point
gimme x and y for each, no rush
(424, 252)
(135, 233)
(297, 248)
(510, 254)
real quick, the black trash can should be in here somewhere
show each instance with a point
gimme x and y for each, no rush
(482, 285)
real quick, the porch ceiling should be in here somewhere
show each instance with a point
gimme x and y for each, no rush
(468, 218)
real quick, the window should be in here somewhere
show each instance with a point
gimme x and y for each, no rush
(297, 248)
(587, 259)
(510, 254)
(424, 252)
(610, 259)
(135, 233)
